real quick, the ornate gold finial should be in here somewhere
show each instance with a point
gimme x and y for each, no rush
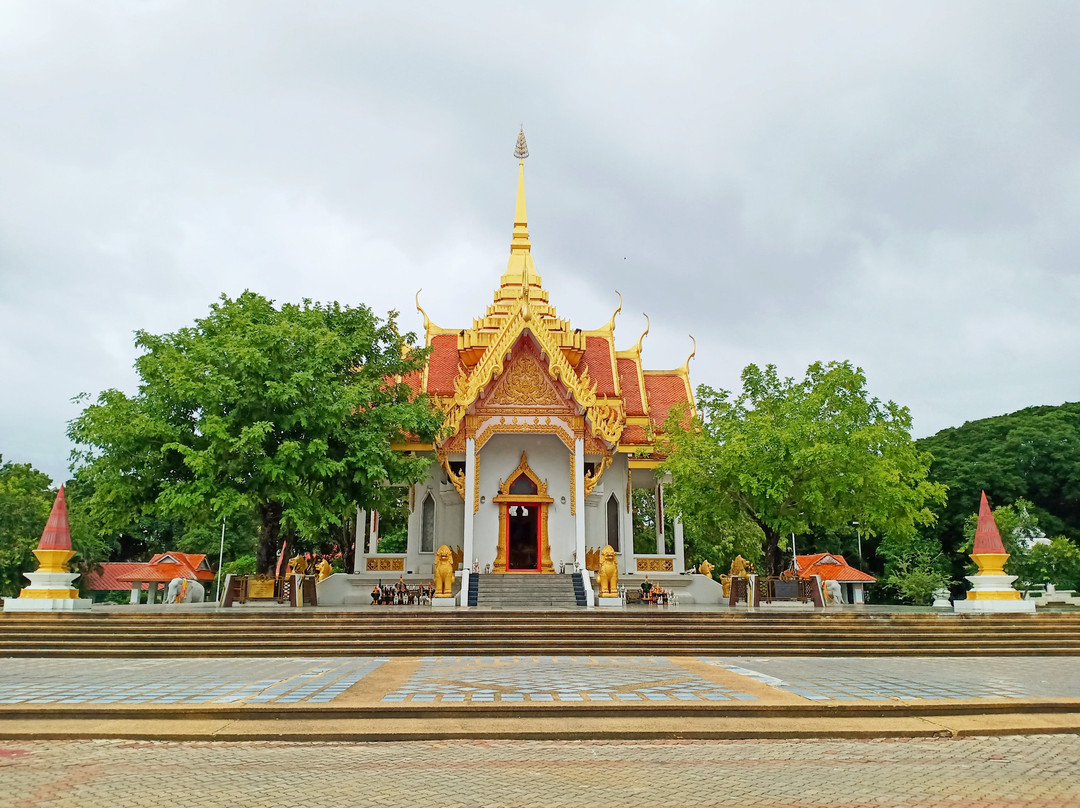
(693, 353)
(611, 323)
(644, 334)
(427, 322)
(521, 150)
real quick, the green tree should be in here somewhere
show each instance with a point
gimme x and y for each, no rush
(288, 413)
(790, 456)
(915, 568)
(26, 496)
(1032, 454)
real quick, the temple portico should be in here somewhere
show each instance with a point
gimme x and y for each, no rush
(548, 431)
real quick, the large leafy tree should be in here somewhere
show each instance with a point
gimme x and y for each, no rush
(288, 413)
(794, 455)
(26, 497)
(1032, 454)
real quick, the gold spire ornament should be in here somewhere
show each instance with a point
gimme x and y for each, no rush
(521, 150)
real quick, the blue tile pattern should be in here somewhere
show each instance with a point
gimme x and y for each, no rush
(561, 679)
(186, 681)
(906, 678)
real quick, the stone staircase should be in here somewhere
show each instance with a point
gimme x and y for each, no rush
(279, 631)
(527, 591)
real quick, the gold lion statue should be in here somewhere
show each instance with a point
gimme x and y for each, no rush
(740, 567)
(297, 565)
(609, 573)
(705, 568)
(444, 572)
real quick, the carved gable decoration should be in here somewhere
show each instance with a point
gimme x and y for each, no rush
(525, 382)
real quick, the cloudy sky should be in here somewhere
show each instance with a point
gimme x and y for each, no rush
(897, 184)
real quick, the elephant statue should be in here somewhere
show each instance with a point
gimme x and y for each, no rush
(181, 590)
(834, 592)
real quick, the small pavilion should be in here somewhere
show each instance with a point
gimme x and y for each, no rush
(154, 574)
(833, 567)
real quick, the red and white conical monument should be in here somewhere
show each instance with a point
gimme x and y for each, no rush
(50, 587)
(991, 588)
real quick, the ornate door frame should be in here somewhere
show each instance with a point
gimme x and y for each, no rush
(540, 500)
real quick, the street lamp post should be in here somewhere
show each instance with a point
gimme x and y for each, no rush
(858, 535)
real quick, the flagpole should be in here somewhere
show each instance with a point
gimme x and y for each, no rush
(221, 555)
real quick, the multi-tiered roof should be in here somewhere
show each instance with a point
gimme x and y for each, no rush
(623, 404)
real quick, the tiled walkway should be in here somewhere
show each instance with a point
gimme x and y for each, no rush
(563, 679)
(168, 681)
(992, 772)
(850, 679)
(531, 679)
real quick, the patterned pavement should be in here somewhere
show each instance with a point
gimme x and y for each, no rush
(589, 680)
(562, 679)
(875, 679)
(171, 681)
(990, 772)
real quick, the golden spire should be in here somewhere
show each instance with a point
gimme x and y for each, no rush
(520, 241)
(520, 269)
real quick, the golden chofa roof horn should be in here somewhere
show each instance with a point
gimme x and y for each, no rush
(644, 333)
(693, 353)
(611, 323)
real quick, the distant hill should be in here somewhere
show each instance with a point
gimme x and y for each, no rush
(1033, 453)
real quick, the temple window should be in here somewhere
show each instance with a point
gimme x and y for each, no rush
(523, 485)
(613, 522)
(427, 525)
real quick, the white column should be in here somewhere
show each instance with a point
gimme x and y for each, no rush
(359, 555)
(136, 591)
(151, 592)
(660, 543)
(680, 553)
(628, 521)
(579, 499)
(470, 488)
(373, 533)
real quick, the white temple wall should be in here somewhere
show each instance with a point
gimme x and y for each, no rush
(549, 459)
(449, 519)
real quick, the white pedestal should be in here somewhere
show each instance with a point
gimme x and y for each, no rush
(444, 603)
(991, 584)
(993, 607)
(609, 601)
(47, 604)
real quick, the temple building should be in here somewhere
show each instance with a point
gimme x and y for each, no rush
(548, 430)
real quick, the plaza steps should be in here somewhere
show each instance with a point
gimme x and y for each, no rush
(523, 591)
(281, 632)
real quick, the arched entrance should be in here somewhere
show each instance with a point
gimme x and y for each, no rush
(523, 516)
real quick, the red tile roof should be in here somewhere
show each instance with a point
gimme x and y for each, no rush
(831, 567)
(633, 435)
(108, 577)
(664, 391)
(597, 360)
(443, 364)
(633, 401)
(162, 567)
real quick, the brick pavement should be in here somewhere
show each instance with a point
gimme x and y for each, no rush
(1034, 770)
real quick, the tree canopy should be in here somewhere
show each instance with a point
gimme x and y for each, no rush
(1032, 454)
(288, 413)
(794, 455)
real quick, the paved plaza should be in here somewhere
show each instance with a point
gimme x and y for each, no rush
(990, 772)
(538, 680)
